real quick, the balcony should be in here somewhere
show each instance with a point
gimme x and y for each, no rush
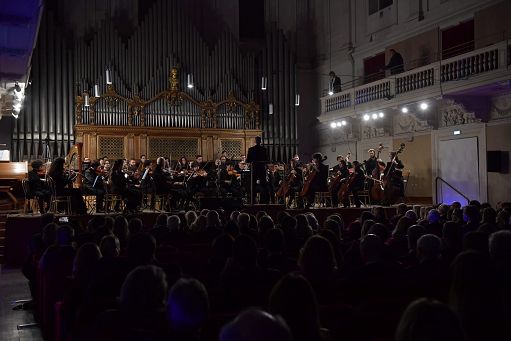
(470, 70)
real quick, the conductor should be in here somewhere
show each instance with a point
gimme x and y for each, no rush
(258, 158)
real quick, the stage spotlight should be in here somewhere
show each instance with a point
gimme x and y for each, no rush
(381, 114)
(339, 124)
(424, 106)
(333, 125)
(374, 116)
(343, 122)
(366, 117)
(404, 110)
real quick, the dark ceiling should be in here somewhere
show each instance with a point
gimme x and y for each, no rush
(19, 22)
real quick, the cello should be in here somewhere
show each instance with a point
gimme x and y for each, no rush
(310, 178)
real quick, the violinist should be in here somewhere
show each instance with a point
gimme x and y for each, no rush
(228, 182)
(295, 178)
(242, 164)
(196, 182)
(64, 185)
(120, 185)
(341, 175)
(355, 184)
(319, 182)
(37, 186)
(182, 165)
(274, 180)
(93, 184)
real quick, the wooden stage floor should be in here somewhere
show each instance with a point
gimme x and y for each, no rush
(20, 227)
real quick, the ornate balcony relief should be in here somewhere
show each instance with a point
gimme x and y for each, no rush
(500, 107)
(409, 123)
(453, 113)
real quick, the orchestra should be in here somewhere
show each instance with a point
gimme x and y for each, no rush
(294, 185)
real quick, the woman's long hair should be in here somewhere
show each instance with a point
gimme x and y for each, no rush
(57, 168)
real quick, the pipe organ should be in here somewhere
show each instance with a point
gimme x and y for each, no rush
(225, 108)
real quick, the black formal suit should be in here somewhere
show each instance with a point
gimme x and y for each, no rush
(257, 157)
(37, 187)
(93, 184)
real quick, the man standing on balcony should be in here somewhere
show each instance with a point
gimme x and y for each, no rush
(396, 63)
(335, 82)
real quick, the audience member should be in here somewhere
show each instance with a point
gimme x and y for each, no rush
(256, 325)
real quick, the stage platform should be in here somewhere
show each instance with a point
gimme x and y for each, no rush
(20, 227)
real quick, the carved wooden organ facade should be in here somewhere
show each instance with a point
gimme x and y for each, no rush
(172, 123)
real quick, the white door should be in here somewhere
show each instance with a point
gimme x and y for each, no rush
(458, 164)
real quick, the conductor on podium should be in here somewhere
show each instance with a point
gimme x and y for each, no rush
(257, 157)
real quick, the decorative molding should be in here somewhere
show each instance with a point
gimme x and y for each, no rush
(453, 113)
(409, 123)
(500, 107)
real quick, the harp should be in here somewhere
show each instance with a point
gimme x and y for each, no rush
(74, 162)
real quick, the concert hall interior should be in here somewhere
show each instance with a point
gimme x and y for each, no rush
(255, 170)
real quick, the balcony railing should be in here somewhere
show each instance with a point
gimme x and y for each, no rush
(481, 66)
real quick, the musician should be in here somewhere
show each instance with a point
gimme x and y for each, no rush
(37, 186)
(296, 157)
(142, 159)
(242, 165)
(64, 185)
(274, 180)
(371, 163)
(228, 182)
(320, 181)
(197, 180)
(356, 184)
(224, 154)
(257, 157)
(94, 184)
(182, 165)
(120, 185)
(341, 170)
(394, 174)
(295, 187)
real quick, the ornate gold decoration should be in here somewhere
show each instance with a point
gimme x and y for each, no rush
(207, 109)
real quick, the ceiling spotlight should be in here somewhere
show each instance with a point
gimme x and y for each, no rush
(366, 117)
(264, 83)
(404, 110)
(381, 114)
(424, 106)
(374, 116)
(339, 124)
(343, 122)
(17, 87)
(333, 125)
(297, 100)
(108, 77)
(330, 92)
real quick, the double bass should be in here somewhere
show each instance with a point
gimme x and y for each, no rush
(388, 188)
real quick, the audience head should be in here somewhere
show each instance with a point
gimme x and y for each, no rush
(274, 241)
(500, 247)
(433, 216)
(49, 234)
(161, 220)
(265, 224)
(429, 320)
(85, 261)
(213, 219)
(477, 241)
(173, 223)
(141, 249)
(402, 226)
(371, 248)
(135, 226)
(255, 325)
(200, 224)
(489, 215)
(338, 219)
(244, 251)
(144, 290)
(110, 246)
(65, 235)
(317, 259)
(366, 215)
(121, 228)
(313, 222)
(471, 214)
(365, 227)
(410, 214)
(244, 222)
(190, 218)
(414, 233)
(234, 216)
(503, 218)
(475, 203)
(333, 226)
(294, 300)
(443, 209)
(188, 305)
(429, 248)
(380, 230)
(451, 235)
(221, 248)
